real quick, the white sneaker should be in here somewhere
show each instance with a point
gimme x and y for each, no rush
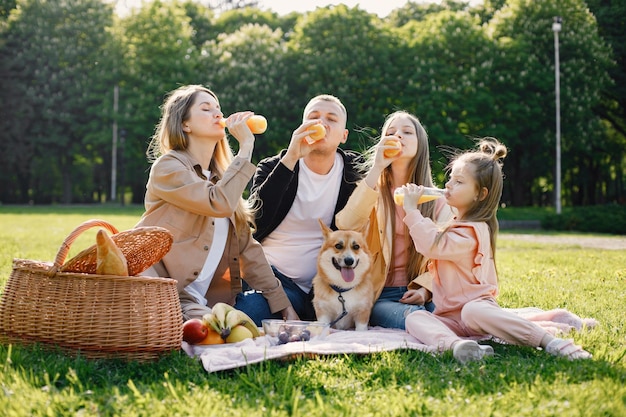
(468, 350)
(567, 349)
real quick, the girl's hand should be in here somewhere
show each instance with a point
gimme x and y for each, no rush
(290, 314)
(380, 160)
(238, 128)
(298, 147)
(416, 297)
(412, 194)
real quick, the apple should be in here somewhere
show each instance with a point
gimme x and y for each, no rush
(239, 333)
(194, 331)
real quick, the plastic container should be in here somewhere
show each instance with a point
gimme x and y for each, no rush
(279, 332)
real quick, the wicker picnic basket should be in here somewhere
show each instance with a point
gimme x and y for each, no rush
(96, 316)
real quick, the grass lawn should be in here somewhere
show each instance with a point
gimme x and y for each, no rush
(518, 381)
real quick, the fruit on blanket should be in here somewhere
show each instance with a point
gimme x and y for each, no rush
(256, 123)
(224, 318)
(212, 338)
(319, 131)
(390, 153)
(236, 318)
(194, 331)
(109, 258)
(239, 333)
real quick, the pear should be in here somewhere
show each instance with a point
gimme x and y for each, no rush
(239, 333)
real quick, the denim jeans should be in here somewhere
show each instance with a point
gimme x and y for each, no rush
(256, 306)
(390, 313)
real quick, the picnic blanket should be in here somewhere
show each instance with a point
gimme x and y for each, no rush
(234, 355)
(377, 339)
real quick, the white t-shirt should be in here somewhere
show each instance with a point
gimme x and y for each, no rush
(200, 286)
(293, 246)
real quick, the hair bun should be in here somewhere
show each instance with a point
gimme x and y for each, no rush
(491, 146)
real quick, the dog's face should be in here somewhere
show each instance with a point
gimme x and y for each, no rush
(344, 257)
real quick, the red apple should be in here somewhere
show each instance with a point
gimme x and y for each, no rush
(194, 331)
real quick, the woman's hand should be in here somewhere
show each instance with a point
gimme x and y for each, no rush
(290, 314)
(238, 128)
(416, 297)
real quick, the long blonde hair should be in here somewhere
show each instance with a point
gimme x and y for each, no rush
(169, 135)
(486, 160)
(419, 173)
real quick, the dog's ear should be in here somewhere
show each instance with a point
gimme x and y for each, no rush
(325, 229)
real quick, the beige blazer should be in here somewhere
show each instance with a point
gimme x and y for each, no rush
(181, 199)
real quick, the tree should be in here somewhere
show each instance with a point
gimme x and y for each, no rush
(50, 60)
(524, 82)
(351, 54)
(160, 56)
(449, 59)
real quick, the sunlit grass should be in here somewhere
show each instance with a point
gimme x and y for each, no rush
(518, 381)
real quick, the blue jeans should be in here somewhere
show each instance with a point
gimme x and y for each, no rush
(389, 312)
(256, 306)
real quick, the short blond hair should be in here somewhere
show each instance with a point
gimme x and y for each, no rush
(328, 98)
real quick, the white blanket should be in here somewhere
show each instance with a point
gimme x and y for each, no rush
(234, 355)
(376, 339)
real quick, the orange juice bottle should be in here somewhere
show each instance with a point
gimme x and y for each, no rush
(430, 193)
(390, 153)
(256, 123)
(319, 133)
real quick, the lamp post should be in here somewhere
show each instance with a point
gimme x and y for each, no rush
(116, 92)
(556, 28)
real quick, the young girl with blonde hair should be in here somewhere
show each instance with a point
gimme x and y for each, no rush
(462, 263)
(195, 191)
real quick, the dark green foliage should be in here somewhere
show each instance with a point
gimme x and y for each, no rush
(465, 72)
(610, 218)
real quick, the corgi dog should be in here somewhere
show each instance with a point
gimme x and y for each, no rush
(343, 290)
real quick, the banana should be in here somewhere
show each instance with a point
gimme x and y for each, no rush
(220, 310)
(224, 318)
(210, 320)
(236, 318)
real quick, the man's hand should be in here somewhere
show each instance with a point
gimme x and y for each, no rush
(298, 147)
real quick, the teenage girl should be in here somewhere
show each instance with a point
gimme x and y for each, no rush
(401, 282)
(462, 263)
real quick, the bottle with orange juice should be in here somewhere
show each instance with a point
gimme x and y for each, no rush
(256, 123)
(319, 131)
(430, 194)
(390, 153)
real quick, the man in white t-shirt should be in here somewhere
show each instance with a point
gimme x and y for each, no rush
(292, 190)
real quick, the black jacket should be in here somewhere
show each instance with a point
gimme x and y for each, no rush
(274, 189)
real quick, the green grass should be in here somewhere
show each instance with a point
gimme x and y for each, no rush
(518, 381)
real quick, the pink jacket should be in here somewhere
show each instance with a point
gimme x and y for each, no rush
(461, 263)
(365, 208)
(180, 199)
